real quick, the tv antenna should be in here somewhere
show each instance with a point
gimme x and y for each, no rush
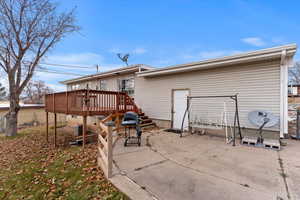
(124, 58)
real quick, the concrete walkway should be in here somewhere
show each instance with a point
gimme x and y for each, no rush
(202, 167)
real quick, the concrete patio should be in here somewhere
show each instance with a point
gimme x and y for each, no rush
(203, 167)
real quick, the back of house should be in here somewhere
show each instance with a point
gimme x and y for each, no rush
(258, 78)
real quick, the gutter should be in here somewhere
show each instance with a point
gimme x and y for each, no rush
(275, 52)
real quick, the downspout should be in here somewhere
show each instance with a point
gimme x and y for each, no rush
(283, 95)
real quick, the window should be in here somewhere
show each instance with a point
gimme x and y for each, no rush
(293, 90)
(102, 85)
(127, 85)
(75, 87)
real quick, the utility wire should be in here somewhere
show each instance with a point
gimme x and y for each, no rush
(72, 66)
(43, 69)
(58, 72)
(65, 65)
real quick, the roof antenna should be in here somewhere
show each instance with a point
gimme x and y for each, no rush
(124, 58)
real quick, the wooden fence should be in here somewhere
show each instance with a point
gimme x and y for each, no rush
(106, 142)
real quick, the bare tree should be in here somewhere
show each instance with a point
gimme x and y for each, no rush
(28, 30)
(34, 92)
(294, 74)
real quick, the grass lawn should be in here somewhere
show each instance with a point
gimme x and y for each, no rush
(31, 168)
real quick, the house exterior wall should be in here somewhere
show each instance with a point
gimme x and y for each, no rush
(257, 85)
(112, 82)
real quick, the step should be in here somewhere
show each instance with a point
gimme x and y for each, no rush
(250, 141)
(271, 144)
(148, 124)
(144, 117)
(144, 121)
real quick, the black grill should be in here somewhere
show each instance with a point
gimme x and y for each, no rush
(131, 121)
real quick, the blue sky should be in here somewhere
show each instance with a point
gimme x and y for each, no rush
(162, 33)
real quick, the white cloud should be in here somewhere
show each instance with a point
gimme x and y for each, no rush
(209, 54)
(139, 50)
(57, 88)
(86, 58)
(254, 41)
(213, 54)
(115, 50)
(162, 62)
(49, 77)
(279, 40)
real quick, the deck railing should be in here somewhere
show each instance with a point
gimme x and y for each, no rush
(89, 102)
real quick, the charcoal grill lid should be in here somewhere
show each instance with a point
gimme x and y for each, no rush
(130, 116)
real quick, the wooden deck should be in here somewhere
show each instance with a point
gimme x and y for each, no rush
(89, 102)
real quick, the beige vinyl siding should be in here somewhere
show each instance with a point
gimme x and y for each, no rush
(257, 85)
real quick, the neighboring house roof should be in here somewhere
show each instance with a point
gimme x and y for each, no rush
(5, 106)
(122, 70)
(270, 53)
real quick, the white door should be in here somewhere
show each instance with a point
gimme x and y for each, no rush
(179, 107)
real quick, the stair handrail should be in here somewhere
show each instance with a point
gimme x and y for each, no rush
(136, 109)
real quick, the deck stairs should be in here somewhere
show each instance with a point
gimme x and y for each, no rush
(146, 121)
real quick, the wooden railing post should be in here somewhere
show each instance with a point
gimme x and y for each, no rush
(53, 106)
(67, 103)
(87, 100)
(84, 131)
(109, 151)
(47, 126)
(55, 129)
(125, 102)
(118, 101)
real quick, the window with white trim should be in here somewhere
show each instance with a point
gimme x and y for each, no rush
(75, 87)
(127, 85)
(103, 85)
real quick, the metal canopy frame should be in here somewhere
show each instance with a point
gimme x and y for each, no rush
(236, 113)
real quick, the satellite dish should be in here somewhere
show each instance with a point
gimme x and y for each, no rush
(124, 58)
(260, 117)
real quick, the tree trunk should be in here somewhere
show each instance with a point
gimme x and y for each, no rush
(12, 115)
(11, 124)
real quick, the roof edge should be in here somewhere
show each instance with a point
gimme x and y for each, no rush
(108, 73)
(238, 58)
